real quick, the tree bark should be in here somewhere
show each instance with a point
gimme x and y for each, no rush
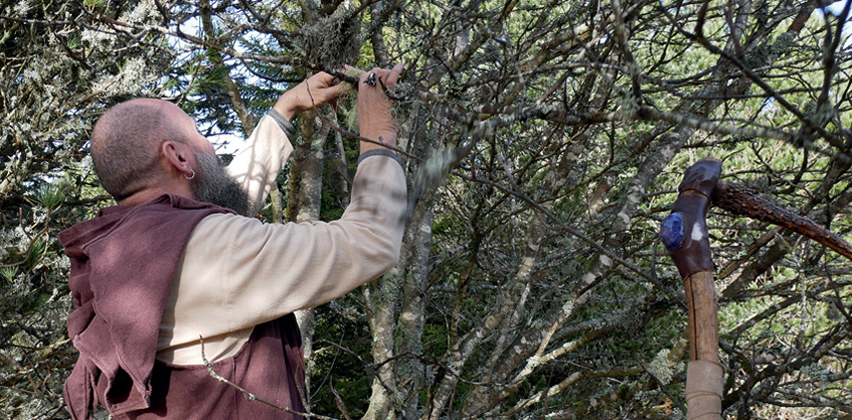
(309, 208)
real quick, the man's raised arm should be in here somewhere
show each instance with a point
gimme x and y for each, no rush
(256, 166)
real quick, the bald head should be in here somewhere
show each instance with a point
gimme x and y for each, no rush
(126, 142)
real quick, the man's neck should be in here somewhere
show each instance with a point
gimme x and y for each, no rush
(147, 195)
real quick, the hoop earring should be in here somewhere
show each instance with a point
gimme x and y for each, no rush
(190, 177)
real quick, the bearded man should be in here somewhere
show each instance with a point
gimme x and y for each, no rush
(178, 261)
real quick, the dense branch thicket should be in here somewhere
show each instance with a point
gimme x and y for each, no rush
(544, 144)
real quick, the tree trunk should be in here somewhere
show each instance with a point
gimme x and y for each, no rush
(309, 207)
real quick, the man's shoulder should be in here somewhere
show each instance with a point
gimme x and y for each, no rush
(222, 226)
(166, 212)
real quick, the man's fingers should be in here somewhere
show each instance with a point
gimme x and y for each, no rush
(352, 71)
(388, 78)
(324, 78)
(322, 88)
(394, 75)
(341, 88)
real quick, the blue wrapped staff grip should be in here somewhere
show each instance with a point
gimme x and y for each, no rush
(684, 231)
(671, 231)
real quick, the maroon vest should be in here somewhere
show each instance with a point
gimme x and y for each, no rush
(122, 266)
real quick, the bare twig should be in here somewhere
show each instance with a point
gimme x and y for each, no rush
(251, 396)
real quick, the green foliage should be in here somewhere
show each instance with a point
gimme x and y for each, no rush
(34, 253)
(335, 366)
(93, 4)
(9, 272)
(50, 196)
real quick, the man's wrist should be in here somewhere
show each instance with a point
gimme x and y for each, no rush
(380, 152)
(285, 104)
(379, 141)
(286, 111)
(282, 122)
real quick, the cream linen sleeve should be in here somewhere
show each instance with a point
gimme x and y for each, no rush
(258, 163)
(238, 272)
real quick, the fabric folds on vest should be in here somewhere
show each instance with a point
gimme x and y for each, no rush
(269, 365)
(122, 265)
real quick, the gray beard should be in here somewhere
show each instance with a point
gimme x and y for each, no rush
(214, 185)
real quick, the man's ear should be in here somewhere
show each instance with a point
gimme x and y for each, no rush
(178, 156)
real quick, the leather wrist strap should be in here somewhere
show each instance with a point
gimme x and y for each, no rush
(381, 152)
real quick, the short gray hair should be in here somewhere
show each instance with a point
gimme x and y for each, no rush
(126, 144)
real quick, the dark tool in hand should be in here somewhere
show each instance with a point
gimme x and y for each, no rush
(371, 79)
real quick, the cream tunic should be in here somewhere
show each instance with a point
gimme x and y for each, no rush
(237, 272)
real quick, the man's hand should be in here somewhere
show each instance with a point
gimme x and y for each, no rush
(317, 90)
(375, 121)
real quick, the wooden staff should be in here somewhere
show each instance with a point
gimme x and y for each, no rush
(684, 234)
